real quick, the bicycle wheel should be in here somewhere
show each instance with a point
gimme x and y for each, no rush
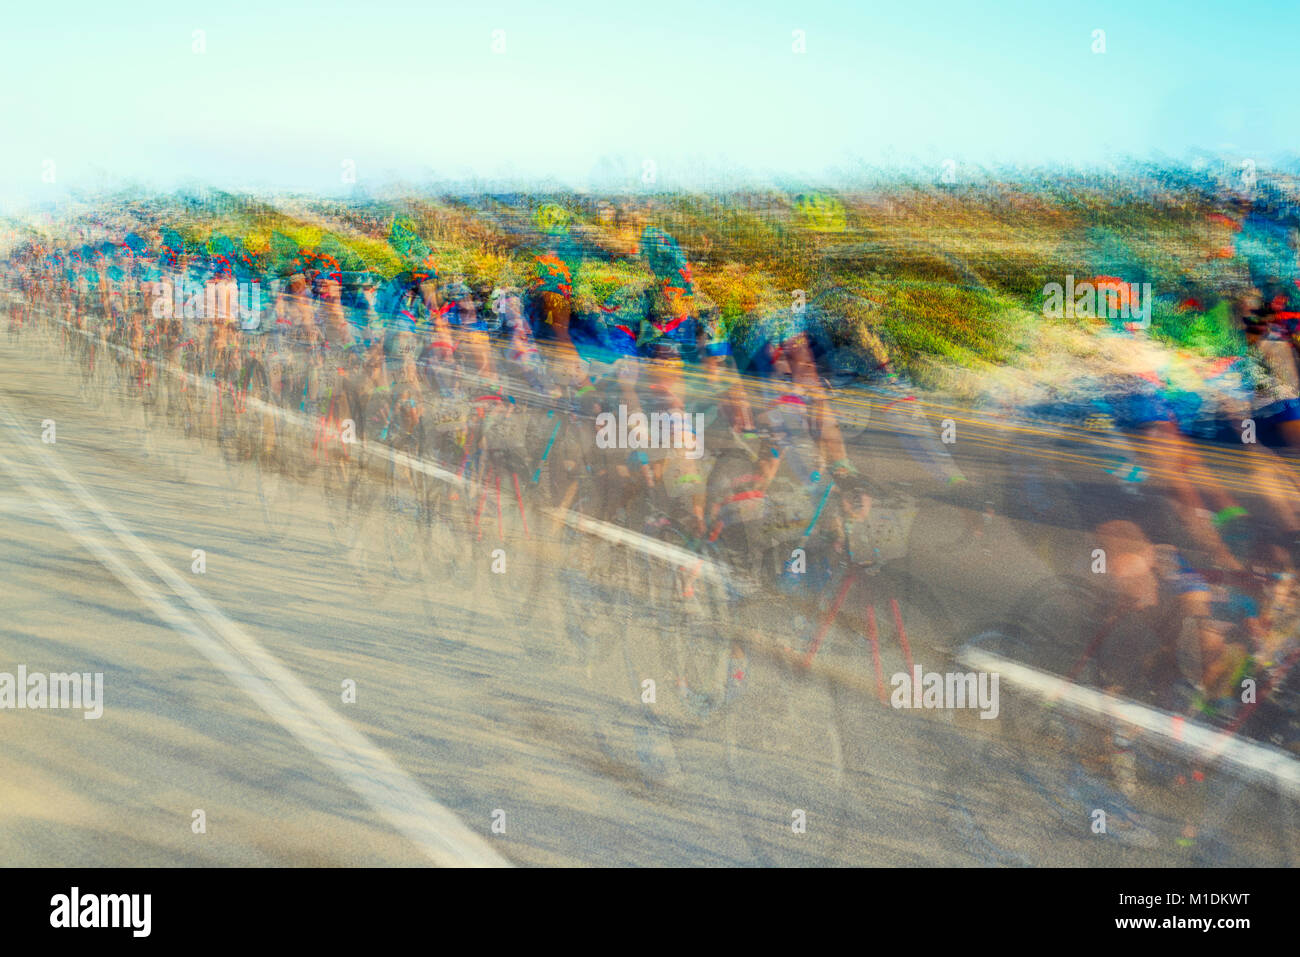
(189, 396)
(449, 536)
(604, 608)
(269, 442)
(151, 375)
(600, 584)
(109, 362)
(1064, 625)
(635, 705)
(862, 631)
(562, 481)
(299, 454)
(90, 377)
(785, 755)
(886, 624)
(208, 400)
(1038, 787)
(230, 430)
(174, 386)
(695, 645)
(141, 417)
(1044, 494)
(341, 476)
(404, 506)
(508, 555)
(448, 554)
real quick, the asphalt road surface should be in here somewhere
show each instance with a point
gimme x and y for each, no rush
(475, 736)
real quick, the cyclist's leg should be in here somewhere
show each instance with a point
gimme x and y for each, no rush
(1274, 479)
(803, 370)
(557, 311)
(1179, 475)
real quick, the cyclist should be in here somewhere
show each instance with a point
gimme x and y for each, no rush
(402, 327)
(798, 436)
(665, 338)
(371, 328)
(475, 331)
(551, 287)
(1270, 332)
(523, 360)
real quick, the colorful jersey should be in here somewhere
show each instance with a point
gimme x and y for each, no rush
(619, 322)
(411, 313)
(552, 274)
(1265, 245)
(676, 334)
(667, 262)
(717, 342)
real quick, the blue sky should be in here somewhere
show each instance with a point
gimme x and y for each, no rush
(285, 93)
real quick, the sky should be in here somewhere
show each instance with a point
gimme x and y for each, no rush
(303, 96)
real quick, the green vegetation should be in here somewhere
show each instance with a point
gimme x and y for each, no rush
(918, 275)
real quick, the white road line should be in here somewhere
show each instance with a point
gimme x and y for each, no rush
(361, 765)
(1170, 730)
(664, 551)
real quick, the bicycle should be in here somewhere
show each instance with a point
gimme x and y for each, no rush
(268, 437)
(833, 617)
(1067, 750)
(507, 531)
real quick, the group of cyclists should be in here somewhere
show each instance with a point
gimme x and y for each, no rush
(1177, 587)
(1198, 587)
(423, 362)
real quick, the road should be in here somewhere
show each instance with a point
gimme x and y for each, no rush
(225, 687)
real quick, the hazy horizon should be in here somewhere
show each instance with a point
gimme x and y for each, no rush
(283, 99)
